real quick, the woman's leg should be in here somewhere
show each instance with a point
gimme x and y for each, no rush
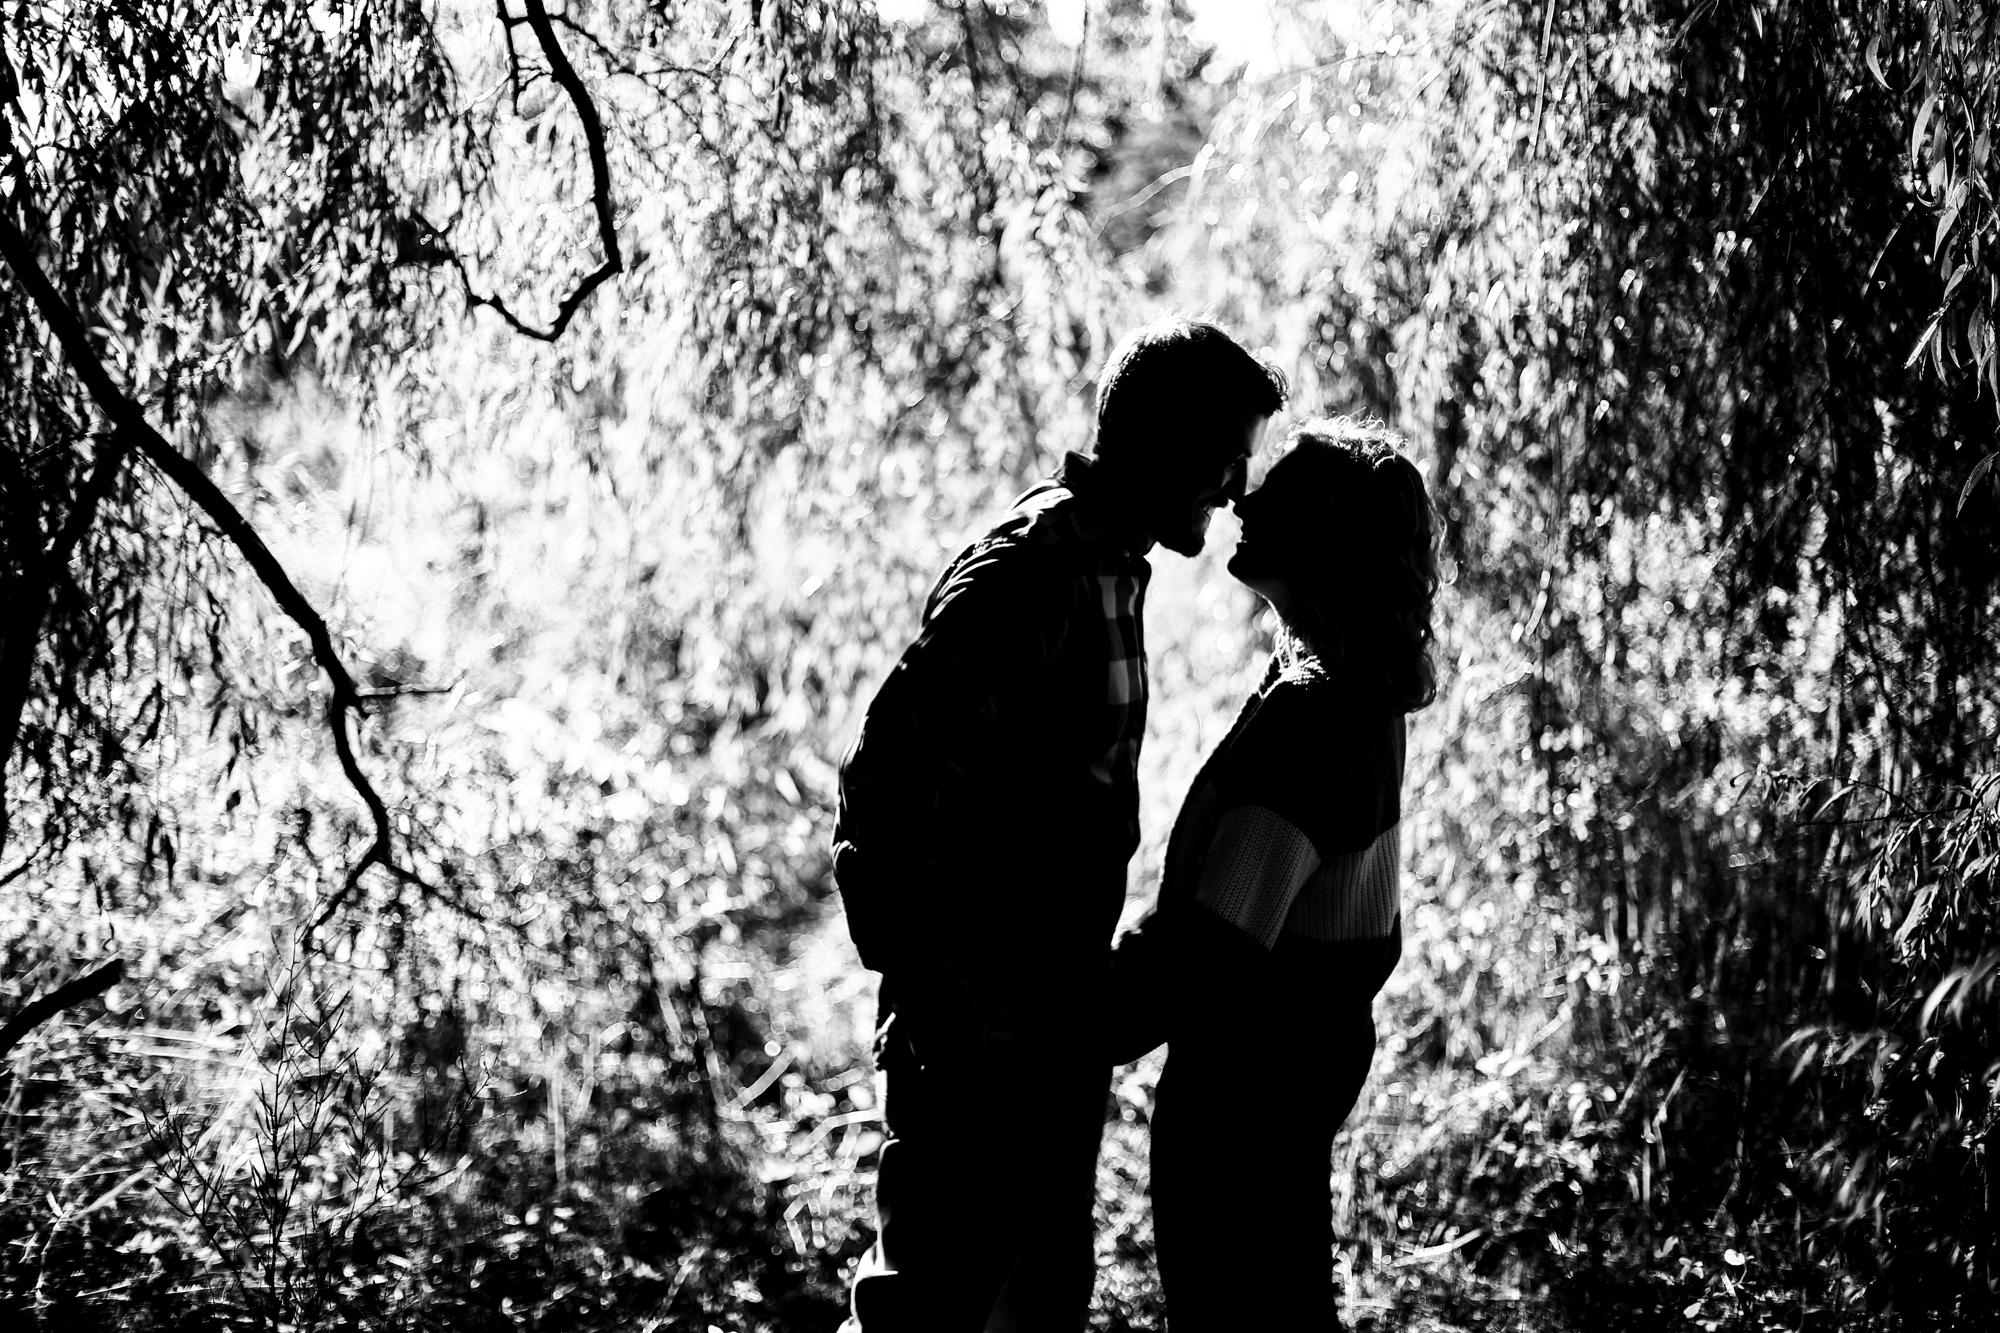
(1242, 1141)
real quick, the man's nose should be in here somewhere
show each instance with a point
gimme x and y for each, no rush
(1237, 482)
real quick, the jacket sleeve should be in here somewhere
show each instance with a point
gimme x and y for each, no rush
(949, 714)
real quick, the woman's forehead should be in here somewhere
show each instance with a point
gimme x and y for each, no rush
(1271, 460)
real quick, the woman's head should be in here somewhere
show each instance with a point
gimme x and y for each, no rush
(1340, 539)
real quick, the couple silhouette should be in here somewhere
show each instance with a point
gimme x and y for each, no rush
(989, 807)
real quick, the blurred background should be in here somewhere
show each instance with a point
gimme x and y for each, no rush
(603, 386)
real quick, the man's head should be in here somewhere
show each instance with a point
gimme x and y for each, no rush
(1179, 409)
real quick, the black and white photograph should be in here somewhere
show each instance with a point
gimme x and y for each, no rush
(999, 666)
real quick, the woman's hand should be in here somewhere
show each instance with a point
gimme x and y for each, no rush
(1135, 1011)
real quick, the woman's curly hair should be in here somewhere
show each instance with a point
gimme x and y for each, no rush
(1366, 582)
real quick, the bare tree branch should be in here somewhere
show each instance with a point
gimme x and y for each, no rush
(712, 71)
(29, 603)
(39, 1011)
(514, 81)
(111, 451)
(132, 429)
(23, 592)
(538, 20)
(1075, 80)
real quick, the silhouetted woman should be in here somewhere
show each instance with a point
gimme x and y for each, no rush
(1278, 916)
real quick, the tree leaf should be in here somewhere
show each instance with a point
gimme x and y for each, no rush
(1920, 912)
(1979, 470)
(1948, 218)
(1917, 134)
(1923, 340)
(1940, 995)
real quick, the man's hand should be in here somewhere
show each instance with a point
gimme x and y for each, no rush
(942, 1016)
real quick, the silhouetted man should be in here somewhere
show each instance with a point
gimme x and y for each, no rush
(988, 808)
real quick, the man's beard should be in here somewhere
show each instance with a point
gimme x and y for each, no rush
(1188, 535)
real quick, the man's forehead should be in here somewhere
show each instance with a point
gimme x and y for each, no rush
(1252, 441)
(1230, 443)
(1266, 448)
(1246, 434)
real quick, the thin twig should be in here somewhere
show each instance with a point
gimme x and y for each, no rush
(538, 20)
(111, 451)
(507, 25)
(1075, 80)
(712, 72)
(406, 691)
(1542, 72)
(1144, 196)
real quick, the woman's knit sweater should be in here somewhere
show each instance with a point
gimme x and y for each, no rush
(1285, 854)
(1291, 826)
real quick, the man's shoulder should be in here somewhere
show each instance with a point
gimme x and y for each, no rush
(1040, 538)
(1047, 518)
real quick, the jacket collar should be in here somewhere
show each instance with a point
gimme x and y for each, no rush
(1103, 517)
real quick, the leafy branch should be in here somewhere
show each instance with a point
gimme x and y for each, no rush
(132, 430)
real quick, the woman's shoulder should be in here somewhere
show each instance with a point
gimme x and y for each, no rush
(1326, 758)
(1306, 706)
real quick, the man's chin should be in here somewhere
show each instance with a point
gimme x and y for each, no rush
(1188, 539)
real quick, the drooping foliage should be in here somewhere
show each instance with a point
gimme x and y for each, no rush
(605, 384)
(1689, 301)
(813, 297)
(1727, 337)
(196, 227)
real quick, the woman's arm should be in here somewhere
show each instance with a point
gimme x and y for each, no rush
(1254, 869)
(1182, 967)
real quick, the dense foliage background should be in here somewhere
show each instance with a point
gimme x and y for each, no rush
(463, 469)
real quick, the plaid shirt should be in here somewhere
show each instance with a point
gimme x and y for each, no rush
(990, 802)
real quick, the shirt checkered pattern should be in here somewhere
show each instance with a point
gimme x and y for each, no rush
(1095, 615)
(1119, 597)
(1005, 744)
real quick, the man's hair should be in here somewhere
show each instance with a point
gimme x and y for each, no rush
(1169, 383)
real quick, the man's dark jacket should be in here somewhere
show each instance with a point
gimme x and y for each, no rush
(989, 803)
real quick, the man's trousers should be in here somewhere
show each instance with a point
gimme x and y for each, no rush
(984, 1194)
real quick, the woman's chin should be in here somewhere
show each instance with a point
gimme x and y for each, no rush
(1249, 572)
(1273, 590)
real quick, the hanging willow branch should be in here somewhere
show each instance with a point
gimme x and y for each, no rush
(133, 431)
(538, 21)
